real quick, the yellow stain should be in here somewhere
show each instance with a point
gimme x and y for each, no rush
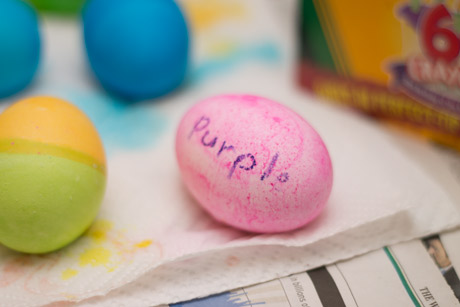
(68, 273)
(222, 48)
(95, 256)
(69, 297)
(206, 13)
(98, 232)
(144, 244)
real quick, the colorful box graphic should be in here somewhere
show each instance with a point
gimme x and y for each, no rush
(394, 60)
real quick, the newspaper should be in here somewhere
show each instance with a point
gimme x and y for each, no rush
(416, 273)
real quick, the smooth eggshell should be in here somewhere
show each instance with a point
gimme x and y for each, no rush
(253, 163)
(137, 49)
(19, 46)
(52, 174)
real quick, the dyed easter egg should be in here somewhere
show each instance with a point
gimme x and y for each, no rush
(19, 46)
(67, 7)
(253, 163)
(138, 49)
(52, 174)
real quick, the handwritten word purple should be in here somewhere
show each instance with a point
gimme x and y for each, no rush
(245, 162)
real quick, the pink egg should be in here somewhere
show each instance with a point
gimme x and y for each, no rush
(253, 163)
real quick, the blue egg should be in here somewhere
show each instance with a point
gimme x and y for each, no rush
(138, 49)
(19, 46)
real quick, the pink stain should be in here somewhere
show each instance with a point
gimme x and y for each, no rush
(61, 304)
(204, 181)
(232, 261)
(14, 270)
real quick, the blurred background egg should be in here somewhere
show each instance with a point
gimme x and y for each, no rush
(19, 46)
(137, 49)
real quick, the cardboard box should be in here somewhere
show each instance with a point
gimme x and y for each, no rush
(394, 60)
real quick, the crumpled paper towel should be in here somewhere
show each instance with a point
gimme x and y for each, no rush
(152, 244)
(152, 233)
(381, 196)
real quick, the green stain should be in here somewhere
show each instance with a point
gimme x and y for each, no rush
(65, 7)
(46, 202)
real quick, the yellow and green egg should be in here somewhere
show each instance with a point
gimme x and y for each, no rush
(52, 174)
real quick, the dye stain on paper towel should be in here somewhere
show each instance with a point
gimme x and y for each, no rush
(205, 14)
(226, 299)
(68, 273)
(121, 125)
(223, 55)
(107, 247)
(228, 56)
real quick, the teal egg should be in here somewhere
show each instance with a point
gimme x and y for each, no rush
(19, 46)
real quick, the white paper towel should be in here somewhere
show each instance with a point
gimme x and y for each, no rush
(153, 244)
(148, 221)
(380, 197)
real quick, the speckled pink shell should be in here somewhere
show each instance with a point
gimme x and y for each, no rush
(253, 163)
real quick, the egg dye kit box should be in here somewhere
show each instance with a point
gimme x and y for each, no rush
(394, 60)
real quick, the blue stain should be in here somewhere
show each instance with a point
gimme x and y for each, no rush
(227, 299)
(267, 52)
(121, 125)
